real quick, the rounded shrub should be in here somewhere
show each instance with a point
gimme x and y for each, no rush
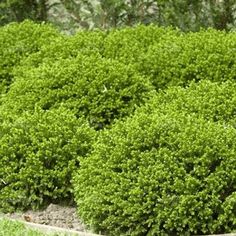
(84, 42)
(100, 89)
(208, 54)
(129, 45)
(214, 101)
(160, 174)
(18, 41)
(39, 152)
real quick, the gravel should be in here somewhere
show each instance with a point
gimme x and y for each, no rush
(53, 215)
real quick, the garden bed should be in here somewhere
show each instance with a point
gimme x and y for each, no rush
(55, 218)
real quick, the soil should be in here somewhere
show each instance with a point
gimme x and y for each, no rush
(53, 215)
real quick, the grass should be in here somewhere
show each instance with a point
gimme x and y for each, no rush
(15, 228)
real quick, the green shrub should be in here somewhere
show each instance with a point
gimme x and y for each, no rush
(84, 42)
(208, 54)
(38, 153)
(99, 89)
(212, 101)
(18, 41)
(160, 173)
(127, 45)
(130, 44)
(169, 57)
(163, 55)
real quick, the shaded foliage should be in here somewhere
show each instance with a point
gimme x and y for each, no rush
(70, 15)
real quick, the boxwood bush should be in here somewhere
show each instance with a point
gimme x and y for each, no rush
(130, 44)
(38, 153)
(18, 41)
(127, 45)
(163, 55)
(160, 173)
(208, 54)
(98, 88)
(214, 101)
(84, 42)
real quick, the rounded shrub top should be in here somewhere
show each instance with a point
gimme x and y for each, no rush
(130, 44)
(160, 173)
(84, 42)
(18, 41)
(208, 54)
(99, 89)
(213, 101)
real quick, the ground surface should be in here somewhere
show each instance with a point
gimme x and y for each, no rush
(54, 215)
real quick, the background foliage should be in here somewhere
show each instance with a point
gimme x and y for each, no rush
(19, 10)
(72, 14)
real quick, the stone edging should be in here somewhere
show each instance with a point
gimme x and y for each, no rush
(53, 229)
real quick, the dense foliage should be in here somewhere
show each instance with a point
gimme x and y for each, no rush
(38, 155)
(146, 115)
(70, 15)
(130, 45)
(97, 88)
(212, 101)
(207, 54)
(87, 43)
(160, 173)
(18, 41)
(116, 70)
(19, 10)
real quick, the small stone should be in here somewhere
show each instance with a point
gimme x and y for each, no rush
(28, 218)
